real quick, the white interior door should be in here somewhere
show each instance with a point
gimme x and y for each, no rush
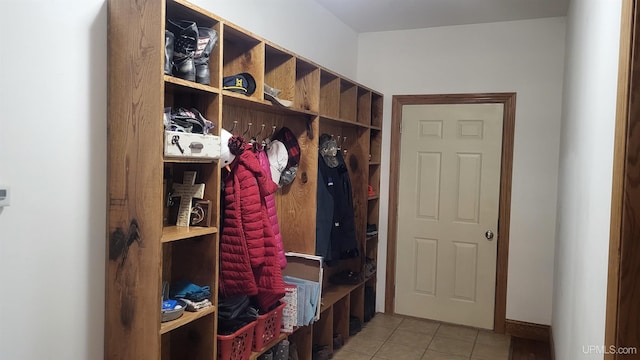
(448, 207)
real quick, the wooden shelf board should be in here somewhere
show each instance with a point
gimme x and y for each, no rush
(272, 343)
(372, 237)
(342, 121)
(173, 233)
(333, 294)
(186, 318)
(379, 128)
(233, 98)
(373, 197)
(189, 160)
(190, 84)
(372, 163)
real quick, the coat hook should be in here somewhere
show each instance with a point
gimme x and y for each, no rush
(247, 131)
(235, 122)
(259, 132)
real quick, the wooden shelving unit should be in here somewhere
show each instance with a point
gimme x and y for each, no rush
(144, 249)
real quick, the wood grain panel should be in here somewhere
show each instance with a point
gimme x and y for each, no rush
(628, 334)
(509, 102)
(329, 94)
(279, 72)
(297, 202)
(134, 170)
(364, 106)
(348, 100)
(627, 85)
(307, 86)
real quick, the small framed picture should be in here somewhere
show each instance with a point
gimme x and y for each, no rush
(201, 213)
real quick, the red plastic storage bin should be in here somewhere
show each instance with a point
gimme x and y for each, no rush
(236, 346)
(267, 327)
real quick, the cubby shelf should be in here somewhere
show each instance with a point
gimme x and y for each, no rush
(232, 98)
(173, 233)
(186, 318)
(334, 294)
(190, 85)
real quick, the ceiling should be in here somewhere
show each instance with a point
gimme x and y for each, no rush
(385, 15)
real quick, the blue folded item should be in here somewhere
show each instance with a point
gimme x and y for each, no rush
(186, 290)
(309, 291)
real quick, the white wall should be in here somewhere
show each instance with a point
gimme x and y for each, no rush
(522, 56)
(586, 158)
(53, 76)
(53, 155)
(301, 26)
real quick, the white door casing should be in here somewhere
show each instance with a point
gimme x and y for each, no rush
(448, 199)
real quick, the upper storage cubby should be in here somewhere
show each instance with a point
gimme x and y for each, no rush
(243, 53)
(364, 106)
(329, 94)
(279, 71)
(208, 25)
(307, 86)
(348, 100)
(376, 110)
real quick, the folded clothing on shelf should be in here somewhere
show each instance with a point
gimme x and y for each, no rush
(197, 305)
(183, 289)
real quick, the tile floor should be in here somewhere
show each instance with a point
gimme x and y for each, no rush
(398, 338)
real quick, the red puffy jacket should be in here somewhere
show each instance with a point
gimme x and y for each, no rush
(248, 254)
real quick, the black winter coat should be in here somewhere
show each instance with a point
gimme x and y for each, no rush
(335, 224)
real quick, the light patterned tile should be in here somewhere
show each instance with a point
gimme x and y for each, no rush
(457, 332)
(489, 352)
(392, 351)
(421, 326)
(411, 339)
(343, 354)
(451, 346)
(433, 355)
(383, 320)
(363, 345)
(491, 338)
(376, 332)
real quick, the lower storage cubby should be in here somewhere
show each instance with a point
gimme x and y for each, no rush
(341, 319)
(323, 331)
(301, 342)
(190, 341)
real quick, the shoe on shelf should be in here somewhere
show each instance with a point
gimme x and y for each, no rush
(372, 229)
(369, 267)
(321, 352)
(346, 278)
(370, 191)
(338, 341)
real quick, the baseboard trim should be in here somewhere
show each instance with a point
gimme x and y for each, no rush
(526, 330)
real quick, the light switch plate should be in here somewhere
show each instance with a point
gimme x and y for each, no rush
(5, 196)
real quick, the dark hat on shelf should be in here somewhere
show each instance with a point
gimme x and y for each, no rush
(242, 83)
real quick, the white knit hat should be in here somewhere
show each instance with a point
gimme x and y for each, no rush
(226, 157)
(278, 158)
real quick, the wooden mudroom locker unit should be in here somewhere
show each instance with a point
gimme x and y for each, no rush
(143, 251)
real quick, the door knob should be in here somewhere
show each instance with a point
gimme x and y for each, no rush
(488, 234)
